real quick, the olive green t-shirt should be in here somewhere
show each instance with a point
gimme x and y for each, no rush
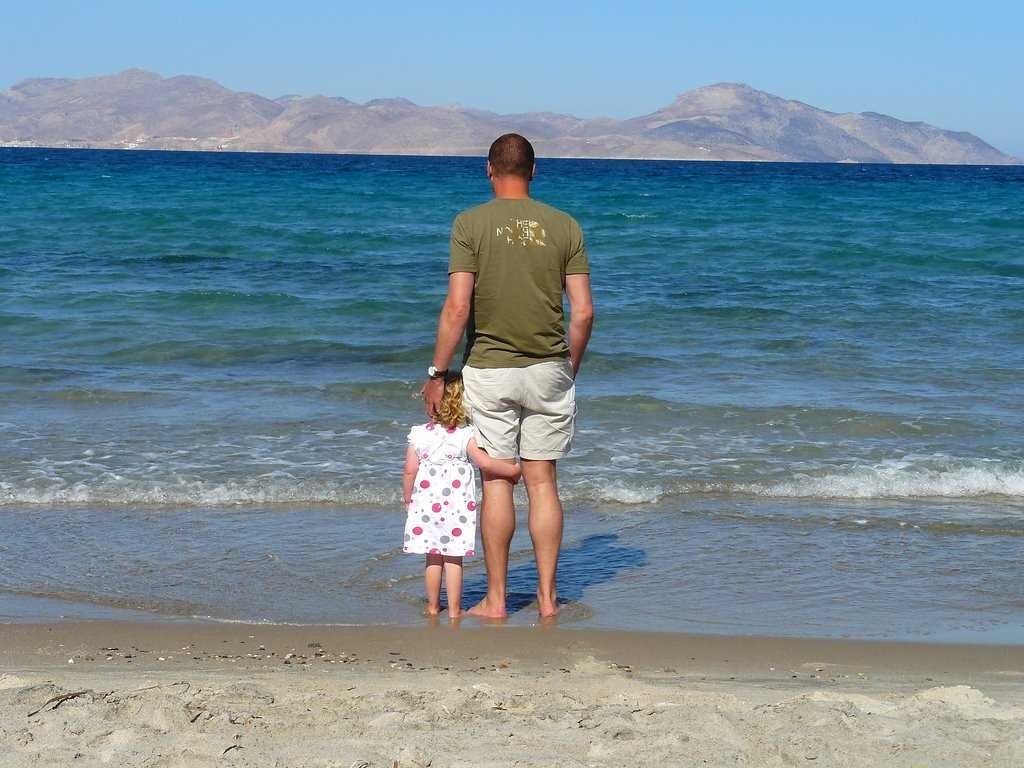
(520, 252)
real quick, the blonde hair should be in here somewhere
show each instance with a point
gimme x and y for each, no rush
(451, 412)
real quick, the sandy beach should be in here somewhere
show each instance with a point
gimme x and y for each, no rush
(188, 694)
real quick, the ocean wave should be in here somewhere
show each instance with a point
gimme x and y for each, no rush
(977, 479)
(616, 492)
(199, 494)
(164, 605)
(932, 479)
(86, 395)
(905, 480)
(829, 422)
(284, 491)
(310, 350)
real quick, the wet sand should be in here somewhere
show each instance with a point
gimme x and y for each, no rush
(198, 694)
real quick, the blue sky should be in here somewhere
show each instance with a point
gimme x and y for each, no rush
(957, 65)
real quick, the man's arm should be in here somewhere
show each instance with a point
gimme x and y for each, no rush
(581, 317)
(450, 328)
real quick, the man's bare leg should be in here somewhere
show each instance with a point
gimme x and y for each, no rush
(497, 524)
(541, 482)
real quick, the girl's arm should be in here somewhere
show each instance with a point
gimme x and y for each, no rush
(495, 467)
(412, 464)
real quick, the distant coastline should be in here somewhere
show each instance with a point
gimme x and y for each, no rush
(478, 156)
(135, 110)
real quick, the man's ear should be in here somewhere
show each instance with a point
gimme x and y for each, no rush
(533, 172)
(490, 171)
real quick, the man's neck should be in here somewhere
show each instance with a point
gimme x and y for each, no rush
(510, 188)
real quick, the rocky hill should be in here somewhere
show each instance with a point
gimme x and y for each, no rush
(142, 110)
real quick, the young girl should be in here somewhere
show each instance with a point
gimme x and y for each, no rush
(440, 495)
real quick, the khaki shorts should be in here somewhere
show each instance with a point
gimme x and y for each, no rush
(530, 411)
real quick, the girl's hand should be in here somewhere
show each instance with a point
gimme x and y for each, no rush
(502, 468)
(407, 501)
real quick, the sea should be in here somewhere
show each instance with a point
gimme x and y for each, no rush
(802, 411)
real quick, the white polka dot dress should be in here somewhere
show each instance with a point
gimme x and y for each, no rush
(442, 516)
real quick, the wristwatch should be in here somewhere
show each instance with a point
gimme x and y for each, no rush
(434, 373)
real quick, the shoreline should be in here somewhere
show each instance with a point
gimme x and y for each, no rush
(46, 642)
(255, 695)
(53, 613)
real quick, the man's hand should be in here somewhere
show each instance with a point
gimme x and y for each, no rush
(450, 327)
(581, 318)
(433, 392)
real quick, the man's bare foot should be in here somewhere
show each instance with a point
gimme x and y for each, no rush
(486, 610)
(547, 607)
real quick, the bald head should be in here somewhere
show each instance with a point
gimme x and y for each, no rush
(511, 155)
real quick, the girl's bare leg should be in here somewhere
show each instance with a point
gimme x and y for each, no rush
(432, 580)
(453, 585)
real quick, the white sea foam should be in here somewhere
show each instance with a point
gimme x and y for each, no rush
(621, 492)
(271, 623)
(196, 494)
(905, 480)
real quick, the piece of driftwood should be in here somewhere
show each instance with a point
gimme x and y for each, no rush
(58, 700)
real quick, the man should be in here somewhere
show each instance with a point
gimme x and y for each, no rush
(511, 260)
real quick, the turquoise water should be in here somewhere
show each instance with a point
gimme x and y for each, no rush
(801, 412)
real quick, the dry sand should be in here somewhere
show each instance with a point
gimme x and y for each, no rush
(180, 694)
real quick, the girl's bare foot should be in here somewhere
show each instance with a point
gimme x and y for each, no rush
(454, 613)
(432, 610)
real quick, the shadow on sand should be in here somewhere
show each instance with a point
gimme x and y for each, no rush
(591, 561)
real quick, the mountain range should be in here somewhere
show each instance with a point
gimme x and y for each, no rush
(136, 109)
